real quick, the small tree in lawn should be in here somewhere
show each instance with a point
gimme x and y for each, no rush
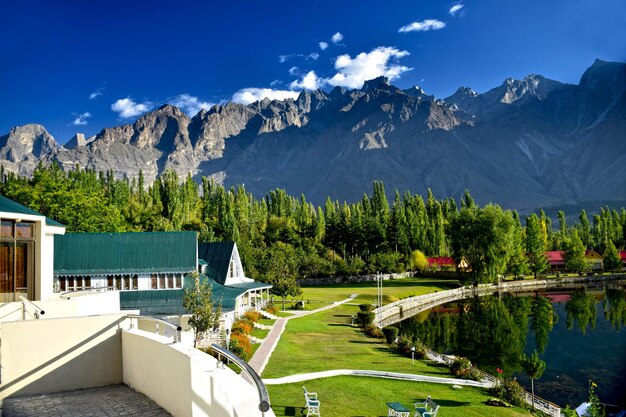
(204, 311)
(534, 367)
(612, 260)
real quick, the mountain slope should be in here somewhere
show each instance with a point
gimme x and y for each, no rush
(525, 144)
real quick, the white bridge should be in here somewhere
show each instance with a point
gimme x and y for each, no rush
(407, 307)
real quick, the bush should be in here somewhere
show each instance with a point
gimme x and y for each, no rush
(272, 309)
(366, 307)
(462, 368)
(242, 327)
(240, 345)
(391, 333)
(374, 331)
(364, 318)
(404, 346)
(509, 390)
(253, 316)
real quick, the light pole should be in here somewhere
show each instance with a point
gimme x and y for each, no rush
(412, 355)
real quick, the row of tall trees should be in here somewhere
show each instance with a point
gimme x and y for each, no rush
(285, 236)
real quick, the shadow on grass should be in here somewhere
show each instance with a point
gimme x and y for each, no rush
(289, 410)
(339, 325)
(449, 403)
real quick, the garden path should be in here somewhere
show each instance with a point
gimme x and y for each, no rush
(262, 355)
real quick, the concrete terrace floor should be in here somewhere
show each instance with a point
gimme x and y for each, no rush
(109, 401)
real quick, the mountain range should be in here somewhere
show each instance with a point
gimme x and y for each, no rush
(525, 144)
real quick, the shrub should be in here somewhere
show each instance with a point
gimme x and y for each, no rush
(242, 327)
(364, 318)
(509, 390)
(253, 316)
(366, 307)
(272, 309)
(462, 367)
(404, 346)
(240, 345)
(374, 331)
(391, 333)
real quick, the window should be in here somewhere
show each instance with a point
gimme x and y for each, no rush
(135, 282)
(154, 283)
(6, 228)
(126, 285)
(170, 280)
(161, 281)
(179, 279)
(24, 230)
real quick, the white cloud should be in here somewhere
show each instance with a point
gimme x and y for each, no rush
(323, 45)
(190, 104)
(455, 8)
(276, 82)
(250, 95)
(313, 56)
(294, 70)
(308, 82)
(336, 38)
(126, 107)
(423, 26)
(81, 119)
(284, 58)
(96, 93)
(352, 73)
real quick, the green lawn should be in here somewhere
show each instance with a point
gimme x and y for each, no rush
(327, 340)
(259, 333)
(346, 396)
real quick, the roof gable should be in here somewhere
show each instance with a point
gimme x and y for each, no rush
(133, 252)
(555, 256)
(217, 255)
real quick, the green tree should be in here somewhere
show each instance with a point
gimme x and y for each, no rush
(485, 238)
(419, 261)
(536, 245)
(198, 302)
(279, 269)
(534, 368)
(612, 260)
(574, 255)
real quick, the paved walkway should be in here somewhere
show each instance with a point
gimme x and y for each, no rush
(110, 401)
(377, 374)
(262, 355)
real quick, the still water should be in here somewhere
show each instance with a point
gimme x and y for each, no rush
(573, 358)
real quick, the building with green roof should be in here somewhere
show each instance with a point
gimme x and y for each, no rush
(151, 270)
(26, 252)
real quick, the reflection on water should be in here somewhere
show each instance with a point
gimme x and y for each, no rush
(573, 357)
(581, 337)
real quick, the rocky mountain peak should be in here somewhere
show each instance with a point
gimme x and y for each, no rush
(606, 75)
(381, 82)
(418, 92)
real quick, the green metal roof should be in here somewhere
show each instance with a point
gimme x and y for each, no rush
(162, 302)
(250, 285)
(10, 206)
(119, 253)
(217, 255)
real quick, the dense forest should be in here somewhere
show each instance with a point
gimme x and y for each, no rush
(286, 236)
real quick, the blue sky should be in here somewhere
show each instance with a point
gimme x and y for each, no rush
(80, 66)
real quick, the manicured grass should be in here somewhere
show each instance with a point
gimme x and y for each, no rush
(346, 396)
(327, 340)
(267, 322)
(259, 333)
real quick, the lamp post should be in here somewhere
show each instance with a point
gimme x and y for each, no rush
(412, 355)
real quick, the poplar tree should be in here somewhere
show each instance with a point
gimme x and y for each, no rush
(535, 246)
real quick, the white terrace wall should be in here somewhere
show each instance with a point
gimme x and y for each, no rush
(87, 304)
(183, 380)
(51, 355)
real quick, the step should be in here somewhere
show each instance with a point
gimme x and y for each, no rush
(268, 315)
(262, 326)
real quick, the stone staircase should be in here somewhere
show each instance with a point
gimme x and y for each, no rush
(262, 326)
(268, 315)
